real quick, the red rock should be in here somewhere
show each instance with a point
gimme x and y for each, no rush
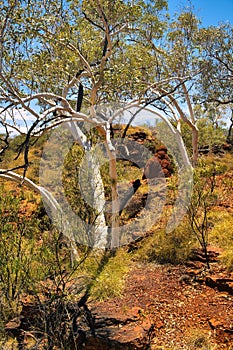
(159, 165)
(166, 172)
(162, 148)
(215, 323)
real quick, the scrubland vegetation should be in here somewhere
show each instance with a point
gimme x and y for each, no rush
(36, 259)
(84, 85)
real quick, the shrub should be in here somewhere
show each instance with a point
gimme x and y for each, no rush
(198, 339)
(222, 235)
(162, 247)
(110, 281)
(17, 246)
(27, 254)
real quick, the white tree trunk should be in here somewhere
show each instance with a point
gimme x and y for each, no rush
(92, 190)
(115, 229)
(94, 193)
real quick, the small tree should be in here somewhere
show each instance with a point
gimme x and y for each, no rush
(50, 75)
(214, 88)
(202, 201)
(59, 62)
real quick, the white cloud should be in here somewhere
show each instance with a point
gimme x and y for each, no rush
(12, 131)
(142, 117)
(17, 115)
(20, 118)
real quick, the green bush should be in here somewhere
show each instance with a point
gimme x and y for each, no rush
(110, 281)
(209, 134)
(17, 246)
(198, 339)
(27, 254)
(222, 235)
(162, 247)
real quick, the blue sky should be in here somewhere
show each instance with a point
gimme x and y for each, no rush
(211, 12)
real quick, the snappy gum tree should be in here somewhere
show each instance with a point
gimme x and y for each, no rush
(60, 61)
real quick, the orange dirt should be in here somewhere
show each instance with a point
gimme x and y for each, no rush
(170, 308)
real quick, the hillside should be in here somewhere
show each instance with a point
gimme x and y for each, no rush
(154, 293)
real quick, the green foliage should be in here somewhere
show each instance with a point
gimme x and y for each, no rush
(28, 254)
(17, 249)
(36, 262)
(162, 247)
(77, 182)
(223, 164)
(110, 281)
(198, 339)
(227, 257)
(43, 42)
(209, 166)
(215, 47)
(222, 235)
(209, 135)
(181, 43)
(44, 45)
(204, 197)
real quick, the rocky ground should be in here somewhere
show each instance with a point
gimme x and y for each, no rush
(163, 307)
(168, 307)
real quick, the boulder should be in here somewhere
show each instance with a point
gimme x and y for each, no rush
(159, 165)
(152, 169)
